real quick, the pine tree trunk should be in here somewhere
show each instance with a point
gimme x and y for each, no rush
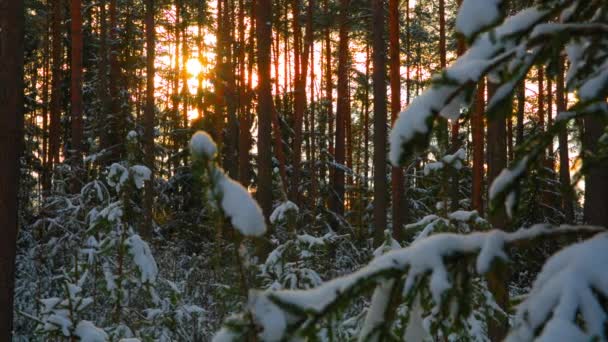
(342, 113)
(56, 94)
(116, 122)
(477, 128)
(521, 105)
(11, 144)
(244, 125)
(498, 277)
(596, 180)
(398, 205)
(265, 105)
(76, 94)
(564, 158)
(379, 88)
(148, 138)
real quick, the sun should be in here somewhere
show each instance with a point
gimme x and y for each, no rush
(194, 67)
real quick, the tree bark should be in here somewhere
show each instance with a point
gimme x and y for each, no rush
(397, 179)
(497, 160)
(379, 89)
(265, 105)
(76, 94)
(56, 94)
(11, 144)
(342, 113)
(477, 128)
(148, 138)
(564, 158)
(596, 180)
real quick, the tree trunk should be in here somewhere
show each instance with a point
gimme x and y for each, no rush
(477, 128)
(379, 88)
(596, 180)
(116, 122)
(265, 105)
(56, 94)
(521, 106)
(329, 86)
(442, 127)
(398, 205)
(342, 113)
(244, 120)
(11, 144)
(564, 158)
(76, 94)
(497, 160)
(148, 140)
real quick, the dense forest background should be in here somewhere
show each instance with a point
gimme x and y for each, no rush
(124, 222)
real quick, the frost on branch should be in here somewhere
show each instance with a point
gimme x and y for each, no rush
(234, 200)
(568, 296)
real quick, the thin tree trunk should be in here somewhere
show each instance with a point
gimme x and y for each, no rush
(148, 140)
(564, 158)
(265, 105)
(329, 86)
(46, 170)
(521, 105)
(397, 179)
(11, 145)
(116, 125)
(595, 211)
(379, 88)
(442, 126)
(342, 112)
(103, 76)
(477, 128)
(299, 100)
(76, 94)
(366, 116)
(244, 125)
(56, 94)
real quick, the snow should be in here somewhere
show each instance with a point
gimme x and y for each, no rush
(507, 177)
(202, 145)
(425, 256)
(564, 289)
(594, 86)
(431, 167)
(143, 258)
(59, 320)
(463, 215)
(88, 332)
(414, 120)
(310, 240)
(279, 212)
(475, 15)
(269, 316)
(244, 212)
(117, 176)
(140, 174)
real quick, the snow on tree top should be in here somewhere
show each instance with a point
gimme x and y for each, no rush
(279, 212)
(475, 15)
(244, 212)
(202, 145)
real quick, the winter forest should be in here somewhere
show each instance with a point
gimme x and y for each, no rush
(303, 170)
